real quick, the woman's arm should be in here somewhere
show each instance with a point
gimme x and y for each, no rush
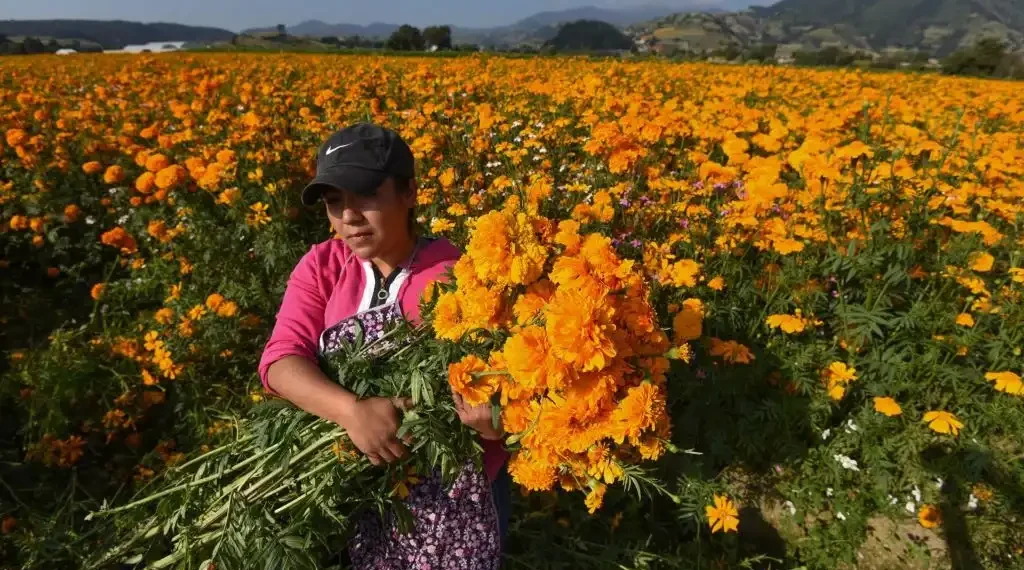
(371, 424)
(289, 369)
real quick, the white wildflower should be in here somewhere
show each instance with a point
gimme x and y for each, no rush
(789, 506)
(911, 507)
(840, 516)
(828, 492)
(825, 434)
(916, 493)
(972, 502)
(846, 462)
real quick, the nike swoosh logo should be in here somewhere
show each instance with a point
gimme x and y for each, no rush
(332, 149)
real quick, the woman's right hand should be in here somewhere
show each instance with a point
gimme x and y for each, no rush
(372, 425)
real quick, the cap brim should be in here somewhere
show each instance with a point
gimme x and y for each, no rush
(351, 178)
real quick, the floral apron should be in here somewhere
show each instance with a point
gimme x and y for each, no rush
(455, 528)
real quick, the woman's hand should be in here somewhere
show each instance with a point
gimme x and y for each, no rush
(372, 425)
(478, 418)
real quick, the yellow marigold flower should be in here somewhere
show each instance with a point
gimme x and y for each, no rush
(943, 422)
(197, 312)
(687, 324)
(929, 516)
(682, 273)
(887, 406)
(717, 283)
(595, 498)
(533, 470)
(983, 492)
(1008, 382)
(788, 323)
(722, 516)
(602, 464)
(164, 316)
(1017, 274)
(840, 372)
(965, 320)
(642, 409)
(229, 196)
(568, 236)
(441, 225)
(981, 262)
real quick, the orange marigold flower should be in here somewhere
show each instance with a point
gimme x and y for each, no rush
(113, 175)
(71, 213)
(731, 351)
(929, 516)
(688, 322)
(170, 177)
(533, 470)
(580, 329)
(92, 167)
(214, 300)
(227, 309)
(981, 262)
(642, 409)
(466, 379)
(97, 291)
(157, 162)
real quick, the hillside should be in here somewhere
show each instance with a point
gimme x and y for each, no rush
(938, 27)
(113, 34)
(535, 29)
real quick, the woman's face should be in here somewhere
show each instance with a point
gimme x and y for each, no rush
(372, 226)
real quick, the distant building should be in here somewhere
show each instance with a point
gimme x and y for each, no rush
(65, 51)
(151, 47)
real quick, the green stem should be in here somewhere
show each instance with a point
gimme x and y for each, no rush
(185, 486)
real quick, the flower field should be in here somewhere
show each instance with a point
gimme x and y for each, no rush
(832, 258)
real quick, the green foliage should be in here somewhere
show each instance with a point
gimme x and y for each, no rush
(406, 38)
(589, 35)
(987, 58)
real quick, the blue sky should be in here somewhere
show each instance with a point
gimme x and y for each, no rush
(236, 15)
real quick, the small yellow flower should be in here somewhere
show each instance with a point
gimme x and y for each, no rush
(722, 516)
(943, 422)
(965, 320)
(887, 406)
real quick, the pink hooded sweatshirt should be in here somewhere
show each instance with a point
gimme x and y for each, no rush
(327, 285)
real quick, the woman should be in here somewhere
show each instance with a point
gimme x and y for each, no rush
(375, 273)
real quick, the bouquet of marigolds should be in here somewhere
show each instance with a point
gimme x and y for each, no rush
(547, 325)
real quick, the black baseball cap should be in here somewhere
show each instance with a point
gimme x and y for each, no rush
(359, 158)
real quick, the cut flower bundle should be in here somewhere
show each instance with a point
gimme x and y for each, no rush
(548, 326)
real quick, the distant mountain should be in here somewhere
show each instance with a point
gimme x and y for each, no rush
(320, 29)
(535, 29)
(114, 34)
(938, 27)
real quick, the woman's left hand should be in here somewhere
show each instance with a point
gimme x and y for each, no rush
(478, 418)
